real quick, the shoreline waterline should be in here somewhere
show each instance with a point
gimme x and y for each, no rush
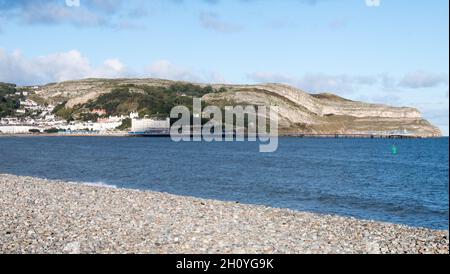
(105, 185)
(43, 216)
(281, 134)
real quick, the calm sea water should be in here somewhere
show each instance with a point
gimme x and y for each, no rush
(349, 177)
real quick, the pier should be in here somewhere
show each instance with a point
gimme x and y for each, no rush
(350, 136)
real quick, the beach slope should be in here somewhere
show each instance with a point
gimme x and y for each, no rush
(41, 216)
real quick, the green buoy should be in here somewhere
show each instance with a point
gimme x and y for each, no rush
(394, 150)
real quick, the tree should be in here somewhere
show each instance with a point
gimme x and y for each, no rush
(223, 89)
(51, 130)
(126, 124)
(9, 102)
(208, 89)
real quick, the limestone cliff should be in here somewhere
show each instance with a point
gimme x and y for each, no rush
(299, 111)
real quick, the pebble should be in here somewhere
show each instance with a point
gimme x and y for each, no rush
(75, 218)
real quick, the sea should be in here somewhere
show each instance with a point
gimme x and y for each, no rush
(360, 178)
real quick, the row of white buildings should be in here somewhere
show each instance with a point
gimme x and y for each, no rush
(102, 125)
(29, 125)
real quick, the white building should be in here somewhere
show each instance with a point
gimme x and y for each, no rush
(15, 129)
(101, 127)
(134, 115)
(9, 121)
(106, 126)
(50, 117)
(143, 125)
(79, 126)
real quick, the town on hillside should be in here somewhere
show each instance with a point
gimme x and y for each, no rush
(20, 114)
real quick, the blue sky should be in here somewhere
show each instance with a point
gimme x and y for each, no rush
(394, 52)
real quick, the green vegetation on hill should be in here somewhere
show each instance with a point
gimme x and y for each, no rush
(6, 88)
(9, 102)
(63, 112)
(126, 124)
(151, 101)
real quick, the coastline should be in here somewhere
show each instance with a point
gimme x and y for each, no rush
(281, 134)
(113, 134)
(43, 216)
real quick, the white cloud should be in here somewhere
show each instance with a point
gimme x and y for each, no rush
(50, 13)
(210, 20)
(166, 70)
(373, 3)
(320, 82)
(316, 82)
(111, 68)
(72, 65)
(62, 66)
(388, 81)
(423, 79)
(55, 67)
(92, 13)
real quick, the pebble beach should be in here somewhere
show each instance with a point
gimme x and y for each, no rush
(42, 216)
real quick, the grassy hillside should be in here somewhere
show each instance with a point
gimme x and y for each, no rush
(152, 101)
(9, 103)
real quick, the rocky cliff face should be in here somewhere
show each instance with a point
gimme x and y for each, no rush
(81, 91)
(298, 110)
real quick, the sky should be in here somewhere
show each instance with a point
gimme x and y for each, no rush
(393, 52)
